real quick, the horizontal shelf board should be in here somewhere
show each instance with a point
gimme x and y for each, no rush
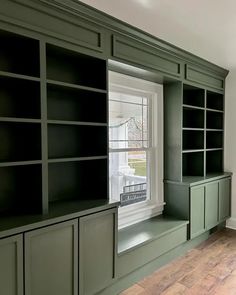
(75, 159)
(18, 76)
(20, 163)
(193, 107)
(211, 129)
(19, 120)
(193, 129)
(62, 122)
(214, 149)
(214, 110)
(192, 151)
(74, 86)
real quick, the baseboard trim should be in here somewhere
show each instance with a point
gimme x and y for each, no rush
(231, 223)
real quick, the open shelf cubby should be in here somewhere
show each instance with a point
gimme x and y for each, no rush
(193, 118)
(19, 98)
(75, 68)
(69, 104)
(19, 54)
(21, 190)
(76, 141)
(214, 161)
(214, 139)
(81, 180)
(193, 96)
(215, 101)
(214, 120)
(193, 164)
(193, 140)
(20, 141)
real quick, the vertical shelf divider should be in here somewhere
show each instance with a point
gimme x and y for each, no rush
(43, 91)
(205, 133)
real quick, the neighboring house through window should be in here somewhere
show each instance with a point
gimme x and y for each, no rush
(136, 147)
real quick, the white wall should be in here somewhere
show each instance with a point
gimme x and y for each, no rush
(205, 28)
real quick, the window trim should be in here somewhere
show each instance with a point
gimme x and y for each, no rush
(144, 210)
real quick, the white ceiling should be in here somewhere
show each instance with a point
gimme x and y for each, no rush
(206, 28)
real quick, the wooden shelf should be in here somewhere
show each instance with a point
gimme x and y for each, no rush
(18, 76)
(192, 151)
(75, 86)
(75, 123)
(20, 163)
(187, 106)
(64, 160)
(20, 120)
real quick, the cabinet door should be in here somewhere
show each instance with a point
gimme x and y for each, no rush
(211, 204)
(97, 244)
(11, 265)
(197, 211)
(51, 256)
(224, 198)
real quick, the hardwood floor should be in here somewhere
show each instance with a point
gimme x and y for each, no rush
(208, 269)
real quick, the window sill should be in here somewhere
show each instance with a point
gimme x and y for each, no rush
(146, 231)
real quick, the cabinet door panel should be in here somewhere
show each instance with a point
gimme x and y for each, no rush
(11, 265)
(224, 198)
(211, 205)
(51, 256)
(97, 240)
(197, 212)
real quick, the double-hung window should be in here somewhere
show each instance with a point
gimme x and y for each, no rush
(135, 147)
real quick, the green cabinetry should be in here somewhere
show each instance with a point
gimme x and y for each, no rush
(224, 199)
(197, 211)
(51, 260)
(205, 203)
(97, 254)
(11, 265)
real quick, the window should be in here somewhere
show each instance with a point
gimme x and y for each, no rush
(136, 147)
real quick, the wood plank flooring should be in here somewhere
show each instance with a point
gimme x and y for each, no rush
(208, 269)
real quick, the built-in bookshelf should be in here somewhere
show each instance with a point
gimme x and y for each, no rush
(193, 131)
(58, 152)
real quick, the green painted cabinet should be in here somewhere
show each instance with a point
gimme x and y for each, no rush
(11, 265)
(224, 199)
(51, 260)
(97, 251)
(197, 204)
(211, 204)
(205, 203)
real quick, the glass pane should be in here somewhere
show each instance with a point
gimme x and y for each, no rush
(128, 123)
(125, 97)
(128, 177)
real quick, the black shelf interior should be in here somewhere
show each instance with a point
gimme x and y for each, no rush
(19, 55)
(76, 105)
(19, 98)
(20, 142)
(193, 96)
(75, 68)
(193, 164)
(21, 190)
(76, 141)
(193, 139)
(193, 118)
(214, 120)
(215, 101)
(214, 161)
(81, 180)
(214, 139)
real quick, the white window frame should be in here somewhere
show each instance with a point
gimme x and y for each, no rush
(137, 212)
